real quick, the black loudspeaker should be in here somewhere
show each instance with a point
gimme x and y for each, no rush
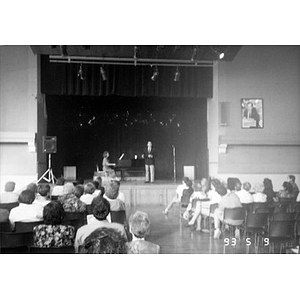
(49, 144)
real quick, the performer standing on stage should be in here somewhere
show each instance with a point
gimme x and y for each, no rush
(149, 155)
(106, 165)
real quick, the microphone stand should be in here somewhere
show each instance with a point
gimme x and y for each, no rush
(174, 163)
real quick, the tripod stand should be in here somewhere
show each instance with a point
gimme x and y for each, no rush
(49, 172)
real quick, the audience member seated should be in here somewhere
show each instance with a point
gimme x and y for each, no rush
(88, 196)
(258, 195)
(291, 180)
(4, 214)
(9, 196)
(121, 195)
(229, 200)
(52, 233)
(78, 181)
(26, 211)
(100, 187)
(100, 209)
(32, 187)
(43, 193)
(104, 241)
(139, 227)
(59, 187)
(244, 195)
(111, 194)
(70, 199)
(287, 191)
(203, 208)
(97, 190)
(268, 190)
(179, 193)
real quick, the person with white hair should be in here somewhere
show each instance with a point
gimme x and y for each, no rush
(259, 195)
(9, 196)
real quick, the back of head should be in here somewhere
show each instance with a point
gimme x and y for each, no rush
(79, 190)
(189, 183)
(105, 241)
(247, 186)
(139, 223)
(68, 188)
(231, 183)
(100, 208)
(43, 189)
(9, 186)
(112, 189)
(288, 187)
(268, 184)
(259, 187)
(60, 181)
(89, 188)
(26, 197)
(96, 184)
(221, 190)
(99, 179)
(32, 187)
(53, 213)
(292, 178)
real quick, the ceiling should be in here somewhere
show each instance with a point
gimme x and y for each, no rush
(188, 55)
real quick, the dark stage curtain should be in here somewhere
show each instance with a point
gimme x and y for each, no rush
(127, 81)
(87, 126)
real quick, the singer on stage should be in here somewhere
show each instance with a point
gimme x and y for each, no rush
(107, 166)
(149, 156)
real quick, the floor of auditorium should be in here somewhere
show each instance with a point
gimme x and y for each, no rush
(174, 237)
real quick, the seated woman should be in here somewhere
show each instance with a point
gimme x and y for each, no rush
(268, 190)
(107, 166)
(52, 233)
(112, 196)
(287, 191)
(104, 241)
(258, 195)
(139, 227)
(186, 186)
(88, 196)
(70, 198)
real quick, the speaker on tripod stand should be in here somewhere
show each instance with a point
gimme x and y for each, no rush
(49, 147)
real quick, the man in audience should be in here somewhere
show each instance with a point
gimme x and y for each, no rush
(292, 179)
(104, 241)
(88, 196)
(244, 195)
(139, 226)
(43, 193)
(9, 196)
(111, 195)
(58, 188)
(229, 200)
(26, 211)
(100, 209)
(32, 187)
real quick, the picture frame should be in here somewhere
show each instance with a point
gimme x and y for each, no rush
(252, 113)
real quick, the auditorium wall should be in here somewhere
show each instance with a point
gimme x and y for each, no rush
(273, 74)
(18, 115)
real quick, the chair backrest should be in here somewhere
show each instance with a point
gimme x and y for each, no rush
(75, 219)
(26, 226)
(297, 208)
(237, 213)
(282, 229)
(284, 216)
(52, 250)
(285, 200)
(212, 208)
(9, 206)
(5, 227)
(248, 207)
(256, 205)
(265, 210)
(254, 220)
(118, 217)
(16, 242)
(298, 229)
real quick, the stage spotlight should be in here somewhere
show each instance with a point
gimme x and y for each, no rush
(80, 73)
(194, 55)
(221, 55)
(103, 73)
(155, 74)
(64, 50)
(177, 75)
(217, 50)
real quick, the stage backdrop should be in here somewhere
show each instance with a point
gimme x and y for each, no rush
(86, 126)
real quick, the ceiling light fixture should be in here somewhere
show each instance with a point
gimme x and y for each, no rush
(177, 75)
(103, 73)
(217, 50)
(155, 74)
(80, 73)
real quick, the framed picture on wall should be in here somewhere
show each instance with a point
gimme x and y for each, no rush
(252, 113)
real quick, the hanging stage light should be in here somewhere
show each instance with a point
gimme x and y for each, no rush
(217, 50)
(194, 55)
(103, 73)
(155, 74)
(64, 50)
(80, 73)
(177, 75)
